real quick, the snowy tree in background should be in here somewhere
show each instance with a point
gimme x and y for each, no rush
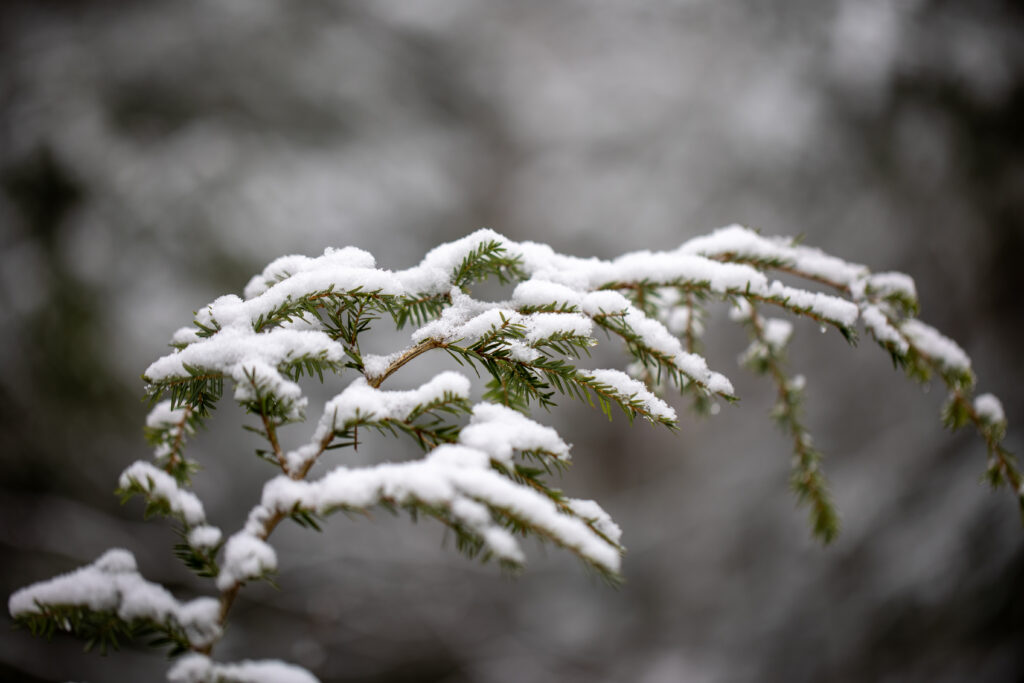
(487, 465)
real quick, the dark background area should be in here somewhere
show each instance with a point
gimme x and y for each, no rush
(154, 155)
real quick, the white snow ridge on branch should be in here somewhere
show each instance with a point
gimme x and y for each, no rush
(487, 467)
(113, 585)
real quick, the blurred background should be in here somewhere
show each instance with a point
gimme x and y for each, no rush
(155, 154)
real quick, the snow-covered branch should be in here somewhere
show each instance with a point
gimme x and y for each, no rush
(486, 466)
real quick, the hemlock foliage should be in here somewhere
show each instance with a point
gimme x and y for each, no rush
(487, 469)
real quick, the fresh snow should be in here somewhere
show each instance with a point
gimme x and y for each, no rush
(776, 333)
(467, 321)
(184, 336)
(680, 319)
(329, 276)
(498, 431)
(159, 485)
(741, 242)
(246, 557)
(196, 668)
(542, 326)
(456, 477)
(113, 584)
(449, 474)
(629, 389)
(375, 366)
(433, 274)
(936, 346)
(876, 321)
(465, 482)
(540, 293)
(989, 409)
(604, 302)
(241, 354)
(655, 336)
(590, 511)
(884, 285)
(286, 266)
(171, 425)
(581, 289)
(204, 537)
(162, 416)
(832, 308)
(361, 402)
(672, 267)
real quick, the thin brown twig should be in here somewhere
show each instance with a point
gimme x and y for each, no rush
(408, 355)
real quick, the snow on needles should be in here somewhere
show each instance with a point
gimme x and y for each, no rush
(304, 315)
(878, 324)
(737, 241)
(247, 556)
(566, 294)
(653, 335)
(468, 320)
(196, 668)
(989, 409)
(360, 402)
(936, 346)
(459, 478)
(162, 416)
(453, 477)
(158, 485)
(498, 431)
(634, 390)
(168, 428)
(113, 584)
(559, 297)
(251, 359)
(885, 285)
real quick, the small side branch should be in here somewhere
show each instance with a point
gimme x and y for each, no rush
(690, 331)
(175, 459)
(807, 479)
(270, 432)
(406, 356)
(230, 594)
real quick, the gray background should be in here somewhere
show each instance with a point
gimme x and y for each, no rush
(153, 155)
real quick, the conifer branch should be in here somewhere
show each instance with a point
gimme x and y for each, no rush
(960, 410)
(886, 306)
(329, 307)
(530, 477)
(488, 259)
(419, 309)
(798, 302)
(119, 604)
(486, 480)
(270, 431)
(166, 430)
(663, 362)
(199, 390)
(259, 529)
(766, 356)
(424, 423)
(517, 382)
(375, 380)
(690, 333)
(175, 458)
(780, 265)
